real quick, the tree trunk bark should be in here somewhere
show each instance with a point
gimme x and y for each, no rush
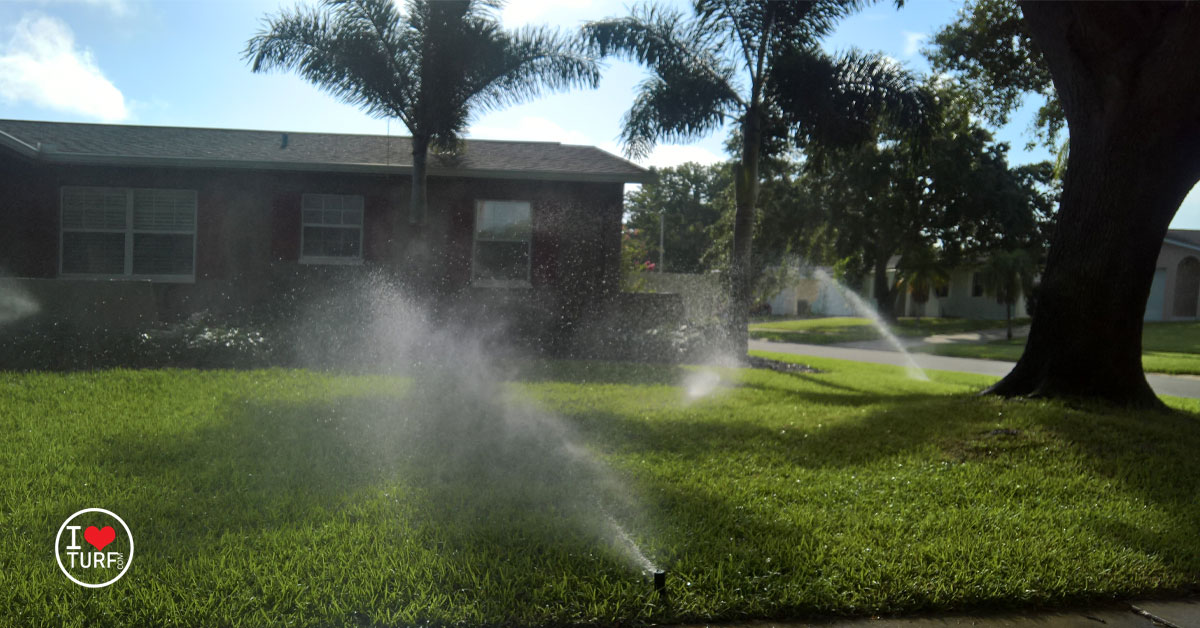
(1086, 339)
(1126, 77)
(418, 207)
(885, 303)
(745, 185)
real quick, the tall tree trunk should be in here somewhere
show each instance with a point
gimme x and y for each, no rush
(745, 186)
(418, 207)
(1008, 320)
(885, 302)
(1126, 75)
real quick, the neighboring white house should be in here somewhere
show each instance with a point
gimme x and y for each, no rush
(805, 296)
(962, 297)
(1175, 293)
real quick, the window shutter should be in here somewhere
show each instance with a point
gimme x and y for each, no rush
(94, 208)
(164, 210)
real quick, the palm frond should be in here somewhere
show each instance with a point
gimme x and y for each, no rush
(840, 100)
(669, 111)
(517, 67)
(780, 22)
(346, 50)
(693, 87)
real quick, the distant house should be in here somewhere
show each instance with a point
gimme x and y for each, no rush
(1175, 292)
(215, 218)
(963, 296)
(809, 296)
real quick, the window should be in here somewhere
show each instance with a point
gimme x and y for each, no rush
(942, 291)
(134, 233)
(976, 284)
(503, 235)
(331, 229)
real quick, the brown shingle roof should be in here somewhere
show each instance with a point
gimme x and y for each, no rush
(110, 143)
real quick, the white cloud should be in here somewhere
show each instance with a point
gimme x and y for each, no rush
(538, 129)
(41, 65)
(530, 129)
(668, 155)
(522, 12)
(664, 156)
(118, 7)
(912, 42)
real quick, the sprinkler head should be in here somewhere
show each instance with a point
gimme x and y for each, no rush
(660, 583)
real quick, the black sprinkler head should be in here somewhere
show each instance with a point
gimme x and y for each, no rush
(660, 583)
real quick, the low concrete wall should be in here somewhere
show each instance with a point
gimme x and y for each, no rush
(75, 304)
(702, 295)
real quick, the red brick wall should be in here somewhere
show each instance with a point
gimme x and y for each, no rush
(248, 227)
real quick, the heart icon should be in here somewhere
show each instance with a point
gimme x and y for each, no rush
(99, 537)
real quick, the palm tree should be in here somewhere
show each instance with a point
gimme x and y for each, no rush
(726, 64)
(921, 272)
(1009, 275)
(430, 66)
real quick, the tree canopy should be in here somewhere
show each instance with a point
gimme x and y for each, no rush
(690, 199)
(952, 191)
(991, 52)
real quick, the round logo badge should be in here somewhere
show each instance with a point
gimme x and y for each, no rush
(94, 548)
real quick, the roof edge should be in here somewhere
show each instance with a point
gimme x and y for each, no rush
(363, 168)
(1186, 245)
(19, 145)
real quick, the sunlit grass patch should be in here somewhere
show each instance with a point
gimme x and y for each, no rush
(288, 497)
(1169, 362)
(838, 329)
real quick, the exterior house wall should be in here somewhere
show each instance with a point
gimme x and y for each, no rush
(1171, 291)
(248, 230)
(958, 303)
(819, 299)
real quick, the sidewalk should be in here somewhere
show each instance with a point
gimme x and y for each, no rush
(1177, 614)
(967, 337)
(1175, 386)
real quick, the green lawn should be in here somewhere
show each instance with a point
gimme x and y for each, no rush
(289, 497)
(850, 329)
(1167, 348)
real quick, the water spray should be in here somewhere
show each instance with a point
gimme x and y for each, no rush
(913, 369)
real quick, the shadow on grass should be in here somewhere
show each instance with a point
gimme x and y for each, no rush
(1149, 454)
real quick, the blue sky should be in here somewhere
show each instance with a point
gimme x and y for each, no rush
(178, 63)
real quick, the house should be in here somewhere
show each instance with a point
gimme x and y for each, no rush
(963, 296)
(132, 222)
(1175, 291)
(805, 295)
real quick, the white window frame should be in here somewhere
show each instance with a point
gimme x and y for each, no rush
(481, 282)
(129, 231)
(332, 259)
